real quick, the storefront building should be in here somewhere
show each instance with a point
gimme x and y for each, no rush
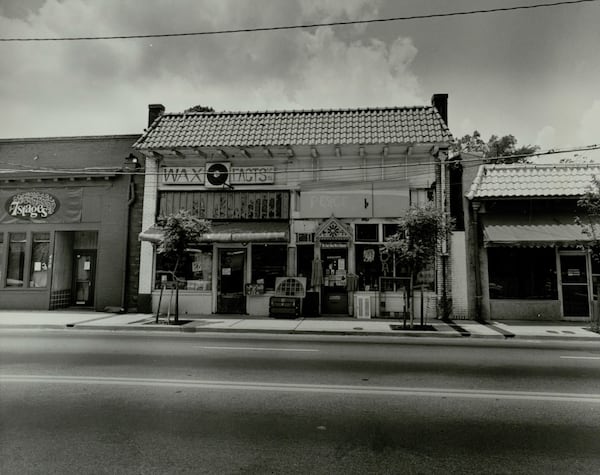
(300, 204)
(65, 213)
(532, 260)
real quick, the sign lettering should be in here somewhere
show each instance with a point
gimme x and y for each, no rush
(32, 204)
(251, 175)
(182, 175)
(236, 176)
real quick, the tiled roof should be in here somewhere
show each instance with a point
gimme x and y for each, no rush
(421, 124)
(527, 180)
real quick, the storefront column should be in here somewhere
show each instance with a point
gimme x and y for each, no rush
(147, 249)
(291, 261)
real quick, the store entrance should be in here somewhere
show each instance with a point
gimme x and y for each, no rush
(84, 268)
(230, 281)
(335, 269)
(575, 287)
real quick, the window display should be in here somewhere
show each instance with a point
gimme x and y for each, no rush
(268, 262)
(193, 273)
(16, 259)
(40, 253)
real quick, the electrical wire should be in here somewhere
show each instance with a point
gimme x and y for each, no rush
(341, 171)
(302, 26)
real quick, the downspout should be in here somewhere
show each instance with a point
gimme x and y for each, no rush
(444, 255)
(125, 276)
(475, 236)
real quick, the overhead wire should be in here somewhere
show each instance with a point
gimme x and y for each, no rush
(301, 26)
(393, 167)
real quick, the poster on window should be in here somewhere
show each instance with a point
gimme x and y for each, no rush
(52, 205)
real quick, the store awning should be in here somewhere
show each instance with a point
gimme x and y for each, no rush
(542, 231)
(259, 231)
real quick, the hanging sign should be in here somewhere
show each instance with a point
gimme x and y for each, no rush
(41, 206)
(32, 204)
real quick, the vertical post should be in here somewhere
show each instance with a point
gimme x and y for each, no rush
(422, 319)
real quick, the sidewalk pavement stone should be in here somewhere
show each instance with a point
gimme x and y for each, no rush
(88, 320)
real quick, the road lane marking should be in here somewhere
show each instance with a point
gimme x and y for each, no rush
(581, 357)
(256, 348)
(305, 388)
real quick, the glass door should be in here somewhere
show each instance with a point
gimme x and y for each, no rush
(335, 271)
(575, 288)
(230, 281)
(84, 267)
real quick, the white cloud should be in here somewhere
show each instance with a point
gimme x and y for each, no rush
(465, 127)
(546, 138)
(335, 73)
(589, 131)
(97, 87)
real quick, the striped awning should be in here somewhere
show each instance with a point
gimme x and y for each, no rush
(249, 231)
(538, 231)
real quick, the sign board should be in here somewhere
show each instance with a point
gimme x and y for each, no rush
(57, 205)
(217, 175)
(354, 199)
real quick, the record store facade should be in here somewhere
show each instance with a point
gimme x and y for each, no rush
(299, 202)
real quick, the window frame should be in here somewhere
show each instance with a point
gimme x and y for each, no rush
(28, 254)
(524, 274)
(201, 285)
(268, 285)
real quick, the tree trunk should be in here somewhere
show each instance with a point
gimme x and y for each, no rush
(596, 312)
(411, 307)
(176, 282)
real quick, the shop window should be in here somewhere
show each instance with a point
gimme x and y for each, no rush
(194, 271)
(367, 232)
(16, 259)
(425, 278)
(268, 261)
(595, 275)
(305, 255)
(389, 230)
(40, 252)
(1, 256)
(519, 273)
(421, 196)
(368, 266)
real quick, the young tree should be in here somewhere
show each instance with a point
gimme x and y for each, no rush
(589, 221)
(200, 108)
(420, 233)
(503, 149)
(181, 230)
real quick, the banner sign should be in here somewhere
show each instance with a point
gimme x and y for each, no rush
(60, 205)
(217, 174)
(354, 199)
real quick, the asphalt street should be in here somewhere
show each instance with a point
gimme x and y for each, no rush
(105, 402)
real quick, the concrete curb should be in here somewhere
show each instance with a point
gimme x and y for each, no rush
(443, 329)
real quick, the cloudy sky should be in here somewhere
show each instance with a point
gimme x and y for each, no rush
(533, 73)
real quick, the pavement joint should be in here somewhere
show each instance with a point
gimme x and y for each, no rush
(302, 326)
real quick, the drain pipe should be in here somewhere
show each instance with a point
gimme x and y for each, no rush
(125, 275)
(475, 206)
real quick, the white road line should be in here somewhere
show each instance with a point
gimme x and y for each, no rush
(253, 348)
(581, 357)
(305, 388)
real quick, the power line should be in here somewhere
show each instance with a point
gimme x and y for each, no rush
(302, 26)
(390, 166)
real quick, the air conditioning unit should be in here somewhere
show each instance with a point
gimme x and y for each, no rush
(217, 174)
(362, 306)
(290, 287)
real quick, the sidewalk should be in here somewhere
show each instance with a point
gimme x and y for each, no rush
(339, 326)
